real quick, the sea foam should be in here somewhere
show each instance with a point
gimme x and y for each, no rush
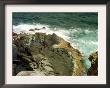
(84, 40)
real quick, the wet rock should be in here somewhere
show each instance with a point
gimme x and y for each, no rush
(37, 29)
(93, 70)
(32, 30)
(43, 27)
(14, 34)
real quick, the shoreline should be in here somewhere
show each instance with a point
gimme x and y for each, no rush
(75, 53)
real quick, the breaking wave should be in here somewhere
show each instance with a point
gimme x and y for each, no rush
(85, 40)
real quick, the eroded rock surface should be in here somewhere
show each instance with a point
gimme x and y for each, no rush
(93, 70)
(41, 54)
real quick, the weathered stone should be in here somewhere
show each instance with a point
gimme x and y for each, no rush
(93, 70)
(38, 54)
(32, 30)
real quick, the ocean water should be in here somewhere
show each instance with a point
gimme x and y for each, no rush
(80, 29)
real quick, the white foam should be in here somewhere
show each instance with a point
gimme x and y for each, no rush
(64, 33)
(82, 44)
(27, 27)
(24, 28)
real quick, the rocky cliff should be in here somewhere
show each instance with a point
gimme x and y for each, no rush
(46, 55)
(93, 70)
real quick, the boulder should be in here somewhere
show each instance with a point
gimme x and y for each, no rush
(32, 30)
(93, 70)
(37, 29)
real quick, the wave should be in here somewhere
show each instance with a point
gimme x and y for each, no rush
(26, 27)
(84, 40)
(77, 37)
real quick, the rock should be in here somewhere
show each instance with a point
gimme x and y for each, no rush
(37, 29)
(93, 70)
(14, 34)
(32, 30)
(43, 27)
(30, 73)
(14, 70)
(42, 54)
(15, 52)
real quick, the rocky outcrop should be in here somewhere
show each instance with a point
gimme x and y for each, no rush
(93, 70)
(41, 54)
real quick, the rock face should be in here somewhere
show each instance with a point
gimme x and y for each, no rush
(41, 54)
(93, 70)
